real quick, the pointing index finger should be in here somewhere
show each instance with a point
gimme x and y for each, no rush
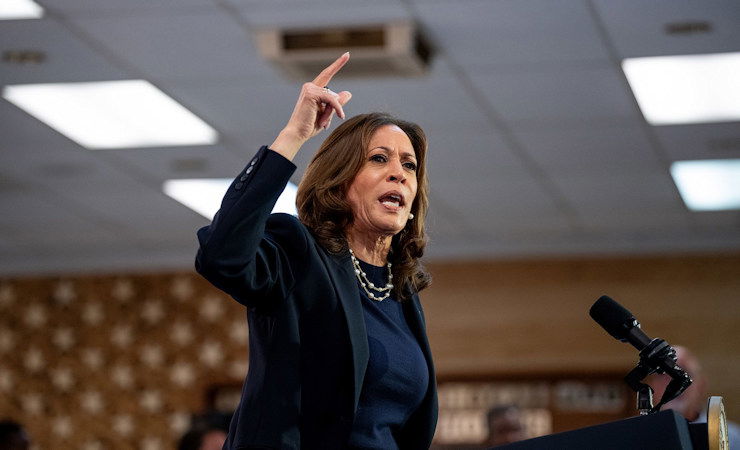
(326, 75)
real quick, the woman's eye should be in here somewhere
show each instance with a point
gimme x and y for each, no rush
(410, 166)
(378, 158)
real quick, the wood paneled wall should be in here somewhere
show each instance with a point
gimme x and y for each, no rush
(120, 361)
(532, 316)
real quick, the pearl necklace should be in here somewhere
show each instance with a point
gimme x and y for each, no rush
(365, 283)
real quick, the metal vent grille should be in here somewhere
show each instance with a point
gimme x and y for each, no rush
(396, 49)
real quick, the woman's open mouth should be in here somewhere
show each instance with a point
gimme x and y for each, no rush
(392, 200)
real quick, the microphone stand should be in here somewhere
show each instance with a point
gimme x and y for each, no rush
(656, 357)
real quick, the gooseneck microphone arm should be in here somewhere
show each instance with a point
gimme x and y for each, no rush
(655, 354)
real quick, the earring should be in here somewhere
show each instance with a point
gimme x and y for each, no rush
(411, 216)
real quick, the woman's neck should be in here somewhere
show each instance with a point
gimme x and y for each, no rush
(371, 249)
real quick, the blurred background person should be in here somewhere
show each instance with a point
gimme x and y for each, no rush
(692, 404)
(207, 432)
(13, 436)
(504, 425)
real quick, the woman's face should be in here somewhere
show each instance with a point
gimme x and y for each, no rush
(384, 189)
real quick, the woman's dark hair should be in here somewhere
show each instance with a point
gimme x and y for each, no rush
(324, 209)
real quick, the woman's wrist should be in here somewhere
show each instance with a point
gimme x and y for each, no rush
(287, 143)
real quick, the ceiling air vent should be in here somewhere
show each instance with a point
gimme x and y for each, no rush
(23, 56)
(393, 49)
(688, 28)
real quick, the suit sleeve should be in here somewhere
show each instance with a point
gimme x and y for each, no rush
(239, 253)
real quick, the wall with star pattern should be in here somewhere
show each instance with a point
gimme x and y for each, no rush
(114, 362)
(121, 362)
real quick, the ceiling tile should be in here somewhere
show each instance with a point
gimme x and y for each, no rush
(438, 98)
(57, 168)
(700, 141)
(67, 58)
(632, 191)
(297, 3)
(537, 146)
(206, 45)
(23, 134)
(9, 248)
(499, 202)
(96, 257)
(718, 221)
(656, 220)
(638, 28)
(614, 148)
(161, 164)
(587, 244)
(445, 221)
(36, 214)
(116, 6)
(143, 209)
(484, 33)
(568, 96)
(250, 113)
(456, 150)
(308, 14)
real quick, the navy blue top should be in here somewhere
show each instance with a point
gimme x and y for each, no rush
(397, 376)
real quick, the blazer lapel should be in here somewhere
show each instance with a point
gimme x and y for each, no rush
(346, 286)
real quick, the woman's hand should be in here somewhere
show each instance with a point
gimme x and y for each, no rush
(313, 112)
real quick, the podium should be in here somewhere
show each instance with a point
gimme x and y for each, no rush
(665, 430)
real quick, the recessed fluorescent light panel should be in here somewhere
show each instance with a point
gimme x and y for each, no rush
(204, 195)
(112, 114)
(20, 9)
(709, 185)
(673, 90)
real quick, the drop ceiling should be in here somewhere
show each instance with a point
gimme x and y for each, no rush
(537, 145)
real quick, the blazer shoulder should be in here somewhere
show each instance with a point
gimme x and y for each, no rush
(288, 232)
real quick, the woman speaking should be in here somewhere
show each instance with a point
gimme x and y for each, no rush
(338, 354)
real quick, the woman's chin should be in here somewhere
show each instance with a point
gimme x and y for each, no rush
(388, 228)
(383, 223)
(396, 228)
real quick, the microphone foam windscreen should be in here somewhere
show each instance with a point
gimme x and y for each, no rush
(612, 316)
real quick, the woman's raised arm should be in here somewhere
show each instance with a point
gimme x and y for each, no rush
(313, 111)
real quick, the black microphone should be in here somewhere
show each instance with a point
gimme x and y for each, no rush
(655, 354)
(618, 322)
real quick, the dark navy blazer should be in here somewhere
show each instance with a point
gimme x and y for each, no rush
(308, 346)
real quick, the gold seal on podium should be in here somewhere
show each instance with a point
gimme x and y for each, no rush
(717, 424)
